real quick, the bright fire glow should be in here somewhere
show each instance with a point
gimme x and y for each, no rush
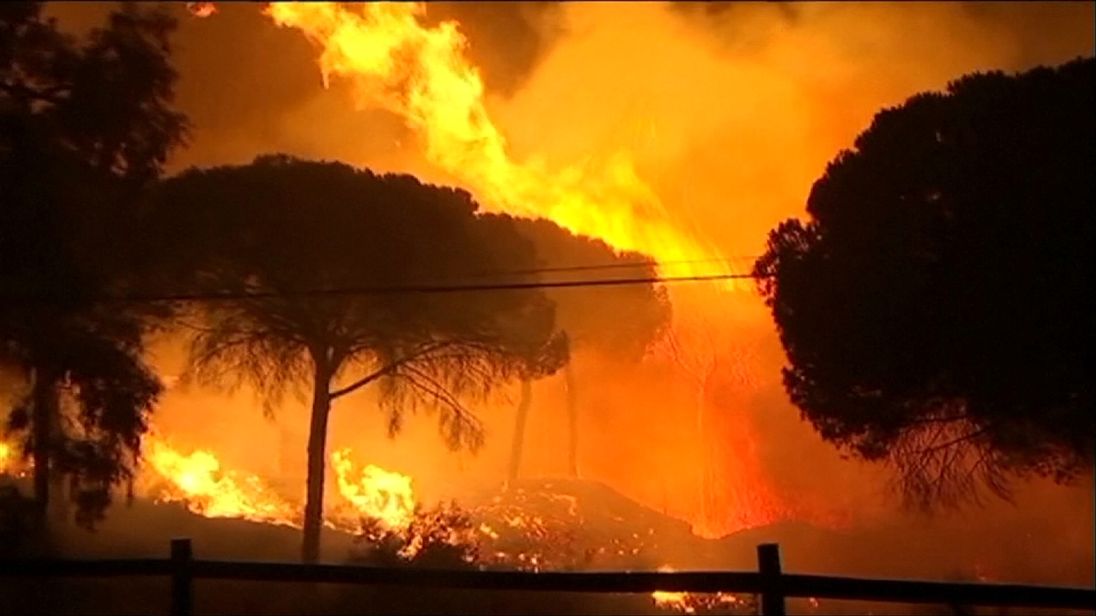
(7, 457)
(382, 495)
(421, 73)
(689, 603)
(393, 61)
(198, 481)
(671, 600)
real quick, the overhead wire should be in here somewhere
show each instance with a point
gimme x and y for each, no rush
(409, 288)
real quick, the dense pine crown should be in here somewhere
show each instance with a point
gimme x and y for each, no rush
(939, 294)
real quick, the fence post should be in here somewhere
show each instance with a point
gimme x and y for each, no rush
(772, 595)
(182, 583)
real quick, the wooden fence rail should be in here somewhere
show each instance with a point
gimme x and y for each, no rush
(769, 582)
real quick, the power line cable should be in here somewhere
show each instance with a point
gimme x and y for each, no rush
(389, 289)
(614, 265)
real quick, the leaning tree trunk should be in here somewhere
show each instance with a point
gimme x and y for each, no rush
(572, 419)
(317, 450)
(44, 395)
(518, 442)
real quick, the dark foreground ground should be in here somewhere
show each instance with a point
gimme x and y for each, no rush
(587, 518)
(150, 596)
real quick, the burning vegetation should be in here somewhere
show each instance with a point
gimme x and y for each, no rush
(533, 526)
(524, 314)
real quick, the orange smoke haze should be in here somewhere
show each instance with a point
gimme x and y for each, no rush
(686, 132)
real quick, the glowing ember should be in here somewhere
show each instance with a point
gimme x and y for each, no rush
(672, 600)
(693, 603)
(376, 493)
(421, 73)
(201, 9)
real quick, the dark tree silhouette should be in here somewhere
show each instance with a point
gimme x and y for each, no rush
(936, 309)
(619, 322)
(282, 227)
(84, 126)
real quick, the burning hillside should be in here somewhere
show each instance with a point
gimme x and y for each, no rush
(533, 525)
(197, 480)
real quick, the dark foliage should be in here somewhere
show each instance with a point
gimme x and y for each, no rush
(619, 321)
(84, 126)
(289, 228)
(937, 308)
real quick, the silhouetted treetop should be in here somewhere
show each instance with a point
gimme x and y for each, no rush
(281, 228)
(282, 224)
(939, 298)
(107, 98)
(620, 321)
(84, 124)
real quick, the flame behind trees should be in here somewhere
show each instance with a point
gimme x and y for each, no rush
(720, 371)
(620, 322)
(421, 73)
(285, 226)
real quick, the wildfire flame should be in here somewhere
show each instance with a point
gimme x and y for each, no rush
(382, 495)
(395, 62)
(199, 481)
(422, 74)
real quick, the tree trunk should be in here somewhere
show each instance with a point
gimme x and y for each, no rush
(518, 442)
(44, 395)
(572, 419)
(317, 452)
